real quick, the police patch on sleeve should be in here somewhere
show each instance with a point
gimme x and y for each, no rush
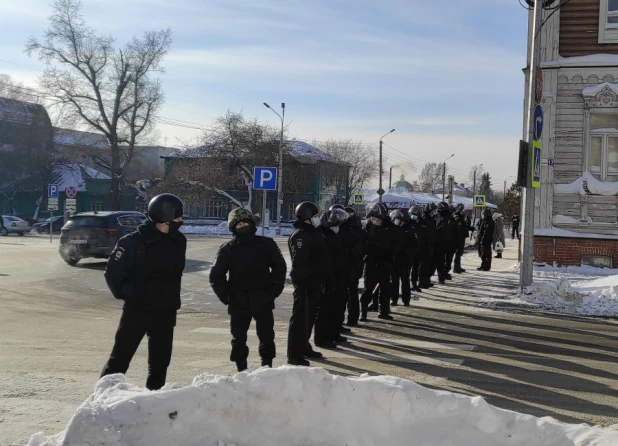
(299, 243)
(119, 253)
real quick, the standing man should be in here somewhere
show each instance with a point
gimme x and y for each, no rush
(145, 270)
(352, 231)
(515, 226)
(485, 239)
(248, 275)
(418, 227)
(445, 242)
(407, 243)
(310, 270)
(463, 227)
(428, 267)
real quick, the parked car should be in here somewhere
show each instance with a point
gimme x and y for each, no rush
(94, 234)
(13, 225)
(43, 227)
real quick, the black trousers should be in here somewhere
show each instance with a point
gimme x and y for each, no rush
(458, 254)
(159, 327)
(451, 250)
(428, 266)
(377, 273)
(401, 278)
(416, 268)
(440, 259)
(304, 311)
(353, 299)
(240, 320)
(485, 257)
(341, 298)
(515, 231)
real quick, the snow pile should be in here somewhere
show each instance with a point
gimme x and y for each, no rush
(557, 232)
(297, 406)
(588, 185)
(222, 229)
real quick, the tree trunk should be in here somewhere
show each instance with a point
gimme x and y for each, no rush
(114, 191)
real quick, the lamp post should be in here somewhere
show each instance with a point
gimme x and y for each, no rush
(444, 175)
(280, 170)
(381, 191)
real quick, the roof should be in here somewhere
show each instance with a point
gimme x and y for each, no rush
(20, 112)
(68, 137)
(62, 175)
(18, 119)
(303, 152)
(403, 199)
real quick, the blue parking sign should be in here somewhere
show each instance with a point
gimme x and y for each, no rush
(52, 191)
(265, 178)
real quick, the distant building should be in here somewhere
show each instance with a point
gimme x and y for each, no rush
(403, 184)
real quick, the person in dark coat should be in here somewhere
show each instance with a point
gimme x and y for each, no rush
(145, 271)
(446, 238)
(354, 239)
(428, 265)
(405, 239)
(515, 225)
(247, 276)
(335, 294)
(418, 228)
(463, 225)
(485, 239)
(311, 268)
(379, 260)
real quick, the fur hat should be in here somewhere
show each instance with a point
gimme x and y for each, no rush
(237, 215)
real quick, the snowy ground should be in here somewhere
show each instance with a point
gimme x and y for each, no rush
(296, 406)
(584, 290)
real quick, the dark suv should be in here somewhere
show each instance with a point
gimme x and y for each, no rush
(94, 234)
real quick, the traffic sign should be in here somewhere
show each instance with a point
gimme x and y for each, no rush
(537, 146)
(52, 204)
(70, 205)
(264, 178)
(538, 122)
(539, 84)
(52, 190)
(381, 192)
(71, 191)
(359, 198)
(479, 201)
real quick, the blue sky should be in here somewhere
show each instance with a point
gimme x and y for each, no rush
(446, 74)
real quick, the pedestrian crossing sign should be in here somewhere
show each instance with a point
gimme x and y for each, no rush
(359, 198)
(479, 201)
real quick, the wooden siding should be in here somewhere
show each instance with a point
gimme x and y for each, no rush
(579, 30)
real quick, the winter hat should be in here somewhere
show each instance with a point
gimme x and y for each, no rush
(237, 215)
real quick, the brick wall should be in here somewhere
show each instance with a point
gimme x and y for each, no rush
(569, 251)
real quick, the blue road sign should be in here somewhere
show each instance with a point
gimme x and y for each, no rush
(479, 201)
(265, 178)
(538, 122)
(52, 191)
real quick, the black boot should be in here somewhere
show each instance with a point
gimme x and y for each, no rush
(386, 316)
(313, 354)
(343, 329)
(267, 363)
(449, 277)
(299, 362)
(329, 345)
(340, 339)
(241, 365)
(352, 324)
(363, 317)
(372, 308)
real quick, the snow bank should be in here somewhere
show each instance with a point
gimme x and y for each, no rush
(222, 229)
(588, 185)
(557, 232)
(297, 406)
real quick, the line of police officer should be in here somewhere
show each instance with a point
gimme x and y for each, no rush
(330, 253)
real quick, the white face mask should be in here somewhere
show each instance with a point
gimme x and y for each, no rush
(315, 221)
(397, 222)
(376, 221)
(335, 229)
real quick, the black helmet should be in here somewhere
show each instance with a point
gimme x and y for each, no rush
(396, 214)
(416, 210)
(443, 207)
(452, 208)
(164, 208)
(405, 215)
(351, 212)
(334, 217)
(430, 207)
(306, 210)
(336, 206)
(237, 215)
(487, 213)
(460, 207)
(377, 210)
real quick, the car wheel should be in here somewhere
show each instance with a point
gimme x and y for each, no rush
(4, 232)
(21, 234)
(71, 258)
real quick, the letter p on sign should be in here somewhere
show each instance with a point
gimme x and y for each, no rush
(265, 178)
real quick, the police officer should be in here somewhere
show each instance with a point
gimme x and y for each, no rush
(428, 266)
(378, 261)
(463, 226)
(485, 239)
(407, 244)
(256, 271)
(310, 271)
(417, 226)
(352, 231)
(445, 241)
(328, 325)
(145, 271)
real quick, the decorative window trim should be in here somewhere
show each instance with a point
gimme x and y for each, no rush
(607, 33)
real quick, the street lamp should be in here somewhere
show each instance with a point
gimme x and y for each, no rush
(444, 175)
(381, 191)
(280, 172)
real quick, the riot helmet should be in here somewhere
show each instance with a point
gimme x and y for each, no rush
(164, 208)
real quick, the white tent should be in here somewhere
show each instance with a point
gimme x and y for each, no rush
(397, 198)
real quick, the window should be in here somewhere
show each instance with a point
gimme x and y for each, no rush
(130, 220)
(603, 156)
(96, 206)
(213, 208)
(292, 211)
(608, 21)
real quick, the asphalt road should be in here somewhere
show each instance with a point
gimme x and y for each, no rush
(57, 325)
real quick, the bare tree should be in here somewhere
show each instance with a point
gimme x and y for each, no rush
(430, 178)
(357, 165)
(12, 89)
(471, 177)
(111, 90)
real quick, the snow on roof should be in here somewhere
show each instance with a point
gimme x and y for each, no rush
(592, 60)
(62, 175)
(69, 137)
(588, 185)
(399, 198)
(19, 111)
(593, 91)
(284, 406)
(563, 233)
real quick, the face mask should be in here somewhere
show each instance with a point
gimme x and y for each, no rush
(335, 229)
(175, 226)
(414, 218)
(315, 221)
(244, 230)
(376, 221)
(397, 222)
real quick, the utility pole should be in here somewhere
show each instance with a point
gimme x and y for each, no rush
(381, 191)
(443, 179)
(504, 194)
(527, 246)
(280, 169)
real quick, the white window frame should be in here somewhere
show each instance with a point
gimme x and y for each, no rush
(604, 145)
(607, 33)
(97, 206)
